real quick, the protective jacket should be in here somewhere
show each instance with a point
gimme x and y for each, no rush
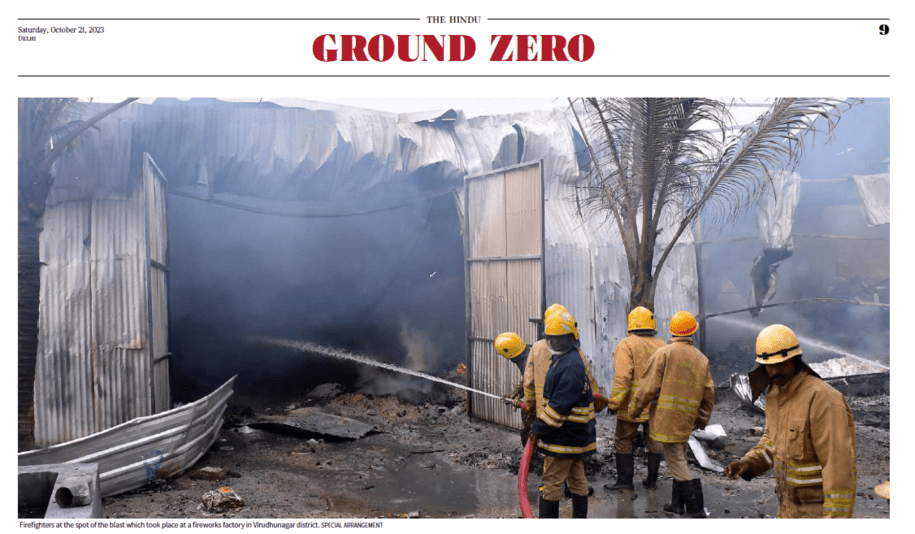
(810, 441)
(678, 378)
(629, 362)
(565, 427)
(535, 374)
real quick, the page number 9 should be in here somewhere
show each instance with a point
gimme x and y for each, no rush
(884, 29)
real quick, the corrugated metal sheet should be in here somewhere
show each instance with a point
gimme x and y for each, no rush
(94, 364)
(505, 278)
(64, 372)
(120, 311)
(135, 452)
(157, 243)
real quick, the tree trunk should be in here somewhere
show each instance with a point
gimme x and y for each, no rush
(643, 288)
(29, 285)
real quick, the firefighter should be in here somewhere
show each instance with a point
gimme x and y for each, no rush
(629, 362)
(539, 360)
(565, 427)
(810, 434)
(511, 347)
(679, 386)
(535, 373)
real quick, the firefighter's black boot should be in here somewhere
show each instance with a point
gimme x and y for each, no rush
(675, 506)
(625, 465)
(693, 502)
(549, 509)
(654, 463)
(579, 506)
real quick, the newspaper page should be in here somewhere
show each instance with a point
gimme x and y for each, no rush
(265, 251)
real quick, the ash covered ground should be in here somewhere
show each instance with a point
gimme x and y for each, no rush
(427, 458)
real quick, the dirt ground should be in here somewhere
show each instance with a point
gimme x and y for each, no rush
(429, 459)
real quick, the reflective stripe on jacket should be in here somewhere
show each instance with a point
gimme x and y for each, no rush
(678, 379)
(629, 362)
(565, 426)
(538, 362)
(810, 443)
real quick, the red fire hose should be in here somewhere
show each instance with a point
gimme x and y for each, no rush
(523, 498)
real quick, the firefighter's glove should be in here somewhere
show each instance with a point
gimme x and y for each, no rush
(740, 468)
(600, 403)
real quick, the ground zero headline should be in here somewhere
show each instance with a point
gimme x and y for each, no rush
(410, 48)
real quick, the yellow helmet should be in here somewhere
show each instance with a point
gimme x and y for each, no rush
(775, 344)
(560, 324)
(553, 309)
(683, 324)
(510, 345)
(641, 318)
(559, 308)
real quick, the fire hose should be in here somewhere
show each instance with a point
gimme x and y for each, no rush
(523, 469)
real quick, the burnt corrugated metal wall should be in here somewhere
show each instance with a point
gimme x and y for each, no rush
(504, 230)
(95, 344)
(157, 244)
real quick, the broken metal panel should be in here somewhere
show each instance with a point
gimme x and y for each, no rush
(157, 245)
(94, 366)
(874, 192)
(135, 452)
(311, 421)
(505, 281)
(775, 209)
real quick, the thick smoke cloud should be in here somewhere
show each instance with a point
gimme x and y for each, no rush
(836, 255)
(388, 285)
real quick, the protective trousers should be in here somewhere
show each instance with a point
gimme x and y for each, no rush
(625, 437)
(557, 470)
(675, 456)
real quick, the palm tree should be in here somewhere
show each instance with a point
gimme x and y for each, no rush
(655, 159)
(47, 129)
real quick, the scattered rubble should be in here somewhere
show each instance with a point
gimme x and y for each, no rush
(209, 473)
(844, 366)
(430, 457)
(221, 500)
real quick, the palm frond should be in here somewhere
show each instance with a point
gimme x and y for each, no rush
(775, 142)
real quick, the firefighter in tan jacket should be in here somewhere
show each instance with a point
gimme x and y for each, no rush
(629, 362)
(511, 347)
(539, 361)
(810, 433)
(678, 380)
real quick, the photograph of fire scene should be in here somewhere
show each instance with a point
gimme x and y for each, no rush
(575, 307)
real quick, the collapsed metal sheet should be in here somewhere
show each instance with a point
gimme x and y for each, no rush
(740, 385)
(702, 457)
(313, 421)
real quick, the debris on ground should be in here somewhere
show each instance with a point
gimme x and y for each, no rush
(428, 455)
(220, 500)
(209, 473)
(312, 421)
(845, 366)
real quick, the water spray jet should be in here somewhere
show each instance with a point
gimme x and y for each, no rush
(804, 340)
(305, 346)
